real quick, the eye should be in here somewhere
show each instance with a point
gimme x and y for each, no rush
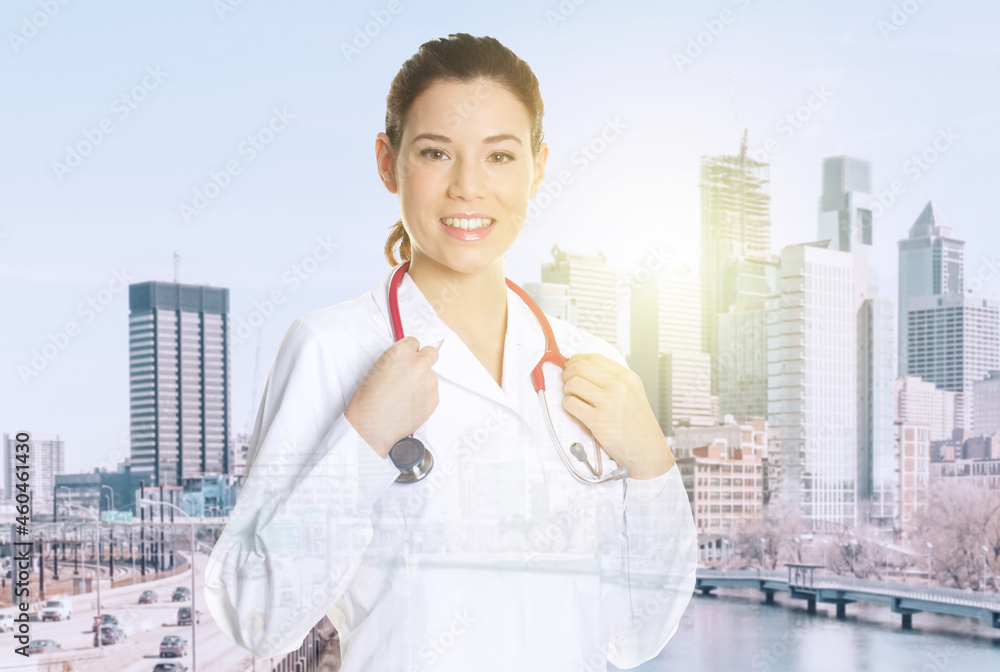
(505, 157)
(437, 154)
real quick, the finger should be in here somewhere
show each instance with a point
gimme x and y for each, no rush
(580, 387)
(597, 358)
(408, 343)
(593, 372)
(579, 409)
(430, 352)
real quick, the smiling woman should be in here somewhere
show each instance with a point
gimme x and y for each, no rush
(494, 555)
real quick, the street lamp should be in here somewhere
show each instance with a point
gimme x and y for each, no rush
(194, 614)
(111, 497)
(854, 557)
(97, 567)
(763, 552)
(929, 572)
(826, 545)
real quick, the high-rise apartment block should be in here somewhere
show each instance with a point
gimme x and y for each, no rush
(953, 340)
(46, 459)
(986, 405)
(179, 379)
(593, 286)
(917, 400)
(665, 348)
(812, 391)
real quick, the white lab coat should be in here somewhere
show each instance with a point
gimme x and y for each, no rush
(498, 560)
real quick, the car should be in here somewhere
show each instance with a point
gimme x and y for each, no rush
(57, 609)
(181, 593)
(110, 634)
(6, 622)
(172, 645)
(170, 667)
(149, 597)
(184, 616)
(108, 619)
(43, 646)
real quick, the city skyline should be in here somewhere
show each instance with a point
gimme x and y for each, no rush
(114, 219)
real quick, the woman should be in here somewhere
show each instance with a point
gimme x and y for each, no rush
(499, 558)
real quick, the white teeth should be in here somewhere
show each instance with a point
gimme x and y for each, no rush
(466, 223)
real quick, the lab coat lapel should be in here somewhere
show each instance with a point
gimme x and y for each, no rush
(523, 344)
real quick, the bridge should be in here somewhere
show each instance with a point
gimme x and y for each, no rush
(904, 599)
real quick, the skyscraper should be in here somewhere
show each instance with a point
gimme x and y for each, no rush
(735, 240)
(918, 401)
(931, 262)
(845, 214)
(743, 361)
(179, 379)
(46, 460)
(592, 285)
(666, 350)
(812, 382)
(877, 484)
(953, 341)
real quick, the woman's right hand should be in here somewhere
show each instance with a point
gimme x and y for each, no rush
(396, 396)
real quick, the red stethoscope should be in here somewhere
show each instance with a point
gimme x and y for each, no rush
(415, 461)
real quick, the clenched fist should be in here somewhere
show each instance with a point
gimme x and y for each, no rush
(396, 396)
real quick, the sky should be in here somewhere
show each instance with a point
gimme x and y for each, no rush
(115, 115)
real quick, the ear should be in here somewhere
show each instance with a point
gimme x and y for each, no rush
(384, 162)
(539, 170)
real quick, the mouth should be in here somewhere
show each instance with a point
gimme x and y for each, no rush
(467, 223)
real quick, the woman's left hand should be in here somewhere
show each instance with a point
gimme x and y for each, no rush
(609, 399)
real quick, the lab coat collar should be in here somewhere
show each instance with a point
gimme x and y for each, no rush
(524, 343)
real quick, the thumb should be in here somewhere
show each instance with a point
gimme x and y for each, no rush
(430, 352)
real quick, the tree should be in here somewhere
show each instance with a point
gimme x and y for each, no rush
(778, 525)
(959, 521)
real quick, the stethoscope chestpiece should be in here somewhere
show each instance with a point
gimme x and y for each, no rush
(412, 459)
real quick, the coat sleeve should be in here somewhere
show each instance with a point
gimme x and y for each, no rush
(302, 522)
(660, 543)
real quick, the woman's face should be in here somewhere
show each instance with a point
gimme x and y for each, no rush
(464, 159)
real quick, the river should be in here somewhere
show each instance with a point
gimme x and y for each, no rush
(733, 631)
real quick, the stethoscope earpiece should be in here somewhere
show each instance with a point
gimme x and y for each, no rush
(412, 459)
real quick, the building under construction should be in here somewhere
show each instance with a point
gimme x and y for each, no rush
(736, 263)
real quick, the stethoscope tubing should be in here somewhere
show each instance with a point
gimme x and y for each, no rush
(551, 354)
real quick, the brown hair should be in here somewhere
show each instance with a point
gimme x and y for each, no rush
(459, 57)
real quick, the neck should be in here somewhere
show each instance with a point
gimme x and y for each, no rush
(473, 305)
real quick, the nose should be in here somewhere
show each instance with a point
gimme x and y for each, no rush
(468, 180)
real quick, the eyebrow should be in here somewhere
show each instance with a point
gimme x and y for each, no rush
(486, 141)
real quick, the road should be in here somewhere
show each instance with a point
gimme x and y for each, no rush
(145, 626)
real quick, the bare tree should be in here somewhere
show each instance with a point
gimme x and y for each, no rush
(959, 521)
(777, 526)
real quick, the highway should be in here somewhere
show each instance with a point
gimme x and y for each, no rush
(145, 626)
